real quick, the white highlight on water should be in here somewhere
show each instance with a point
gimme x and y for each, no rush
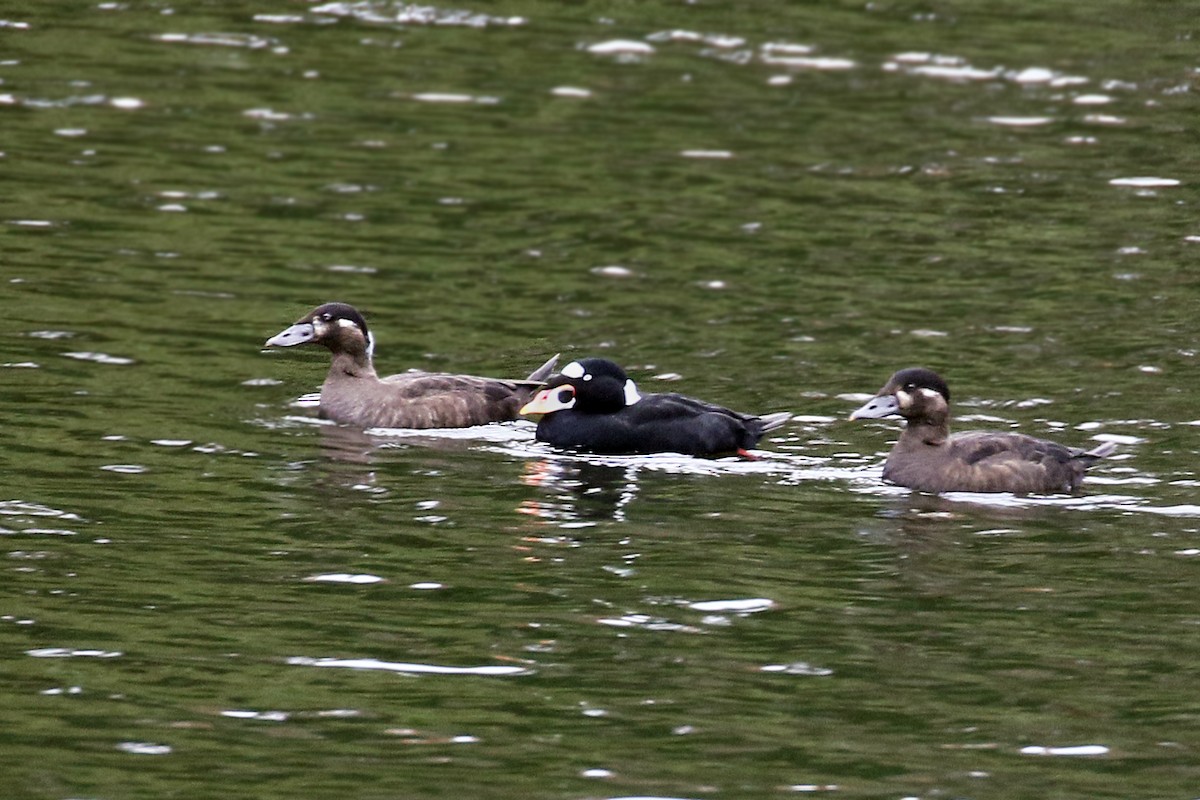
(394, 666)
(344, 577)
(1077, 750)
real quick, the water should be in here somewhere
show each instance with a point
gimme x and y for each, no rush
(209, 594)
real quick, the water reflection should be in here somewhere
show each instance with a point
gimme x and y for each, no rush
(579, 491)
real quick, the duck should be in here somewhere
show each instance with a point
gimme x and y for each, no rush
(354, 394)
(927, 458)
(593, 406)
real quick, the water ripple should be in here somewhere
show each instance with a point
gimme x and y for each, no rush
(798, 668)
(24, 508)
(407, 668)
(99, 358)
(68, 652)
(344, 577)
(266, 716)
(246, 40)
(145, 748)
(622, 48)
(413, 14)
(745, 606)
(1076, 750)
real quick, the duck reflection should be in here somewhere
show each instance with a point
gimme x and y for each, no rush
(350, 456)
(348, 445)
(579, 491)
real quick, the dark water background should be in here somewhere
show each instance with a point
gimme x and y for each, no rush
(770, 205)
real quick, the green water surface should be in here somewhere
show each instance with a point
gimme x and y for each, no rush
(769, 205)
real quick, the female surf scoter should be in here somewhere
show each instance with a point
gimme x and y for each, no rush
(929, 459)
(593, 406)
(354, 394)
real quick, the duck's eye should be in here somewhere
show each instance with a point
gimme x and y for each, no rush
(327, 317)
(565, 394)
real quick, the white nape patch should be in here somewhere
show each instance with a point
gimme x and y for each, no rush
(573, 370)
(349, 323)
(631, 392)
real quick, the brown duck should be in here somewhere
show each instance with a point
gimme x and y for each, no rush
(355, 395)
(929, 459)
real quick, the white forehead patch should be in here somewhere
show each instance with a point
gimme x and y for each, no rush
(631, 392)
(573, 370)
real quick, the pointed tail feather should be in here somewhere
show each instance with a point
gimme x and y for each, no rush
(772, 421)
(540, 374)
(1098, 452)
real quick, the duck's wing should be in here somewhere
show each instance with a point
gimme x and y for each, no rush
(999, 461)
(424, 400)
(682, 424)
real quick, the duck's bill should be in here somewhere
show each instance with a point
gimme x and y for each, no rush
(549, 400)
(299, 333)
(877, 408)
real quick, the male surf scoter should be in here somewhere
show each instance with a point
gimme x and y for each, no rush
(594, 407)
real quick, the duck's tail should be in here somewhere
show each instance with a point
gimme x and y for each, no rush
(772, 421)
(540, 374)
(1098, 452)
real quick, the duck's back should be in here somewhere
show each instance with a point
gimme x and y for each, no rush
(422, 400)
(657, 423)
(985, 461)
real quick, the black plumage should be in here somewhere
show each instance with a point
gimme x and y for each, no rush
(929, 459)
(592, 406)
(354, 394)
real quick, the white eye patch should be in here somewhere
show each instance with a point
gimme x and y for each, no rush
(573, 370)
(631, 392)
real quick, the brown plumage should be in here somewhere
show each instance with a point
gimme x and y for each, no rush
(354, 394)
(929, 459)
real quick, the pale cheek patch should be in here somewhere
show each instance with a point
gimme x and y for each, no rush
(929, 394)
(573, 370)
(904, 399)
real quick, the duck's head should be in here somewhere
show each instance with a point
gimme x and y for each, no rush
(590, 385)
(337, 326)
(915, 393)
